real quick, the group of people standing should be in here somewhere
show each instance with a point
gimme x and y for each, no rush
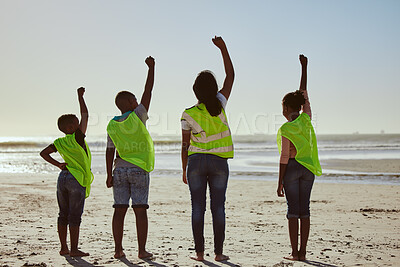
(206, 147)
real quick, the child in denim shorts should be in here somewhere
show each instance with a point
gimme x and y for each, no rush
(73, 184)
(134, 160)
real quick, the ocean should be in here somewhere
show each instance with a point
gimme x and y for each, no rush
(256, 156)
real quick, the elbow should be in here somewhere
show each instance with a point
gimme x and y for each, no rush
(185, 147)
(231, 73)
(110, 153)
(231, 76)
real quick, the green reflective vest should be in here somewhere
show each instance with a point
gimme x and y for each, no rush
(78, 161)
(210, 135)
(132, 141)
(301, 133)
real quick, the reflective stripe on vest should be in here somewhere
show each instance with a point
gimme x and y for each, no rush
(212, 150)
(198, 130)
(78, 161)
(301, 133)
(132, 141)
(217, 143)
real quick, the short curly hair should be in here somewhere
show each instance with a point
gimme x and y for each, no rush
(122, 97)
(65, 120)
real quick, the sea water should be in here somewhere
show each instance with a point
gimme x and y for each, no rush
(256, 156)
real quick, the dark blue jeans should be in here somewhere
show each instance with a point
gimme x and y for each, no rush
(297, 183)
(70, 198)
(208, 169)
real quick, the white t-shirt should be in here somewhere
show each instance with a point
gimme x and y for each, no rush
(187, 127)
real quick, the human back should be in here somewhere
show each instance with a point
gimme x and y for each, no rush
(210, 134)
(206, 123)
(301, 135)
(75, 178)
(77, 157)
(299, 163)
(206, 146)
(132, 141)
(130, 144)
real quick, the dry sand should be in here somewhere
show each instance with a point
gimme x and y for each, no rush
(351, 225)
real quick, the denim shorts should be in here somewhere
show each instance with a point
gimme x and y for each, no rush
(130, 183)
(70, 199)
(297, 183)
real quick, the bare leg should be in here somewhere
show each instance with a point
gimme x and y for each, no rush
(62, 235)
(118, 231)
(293, 234)
(142, 229)
(74, 238)
(304, 232)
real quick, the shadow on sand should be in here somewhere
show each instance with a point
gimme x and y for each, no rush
(211, 264)
(79, 262)
(149, 261)
(319, 264)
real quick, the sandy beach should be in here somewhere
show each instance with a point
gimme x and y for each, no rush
(352, 225)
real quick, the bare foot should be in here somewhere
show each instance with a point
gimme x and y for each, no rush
(199, 256)
(302, 255)
(144, 255)
(64, 251)
(291, 258)
(221, 257)
(119, 254)
(78, 253)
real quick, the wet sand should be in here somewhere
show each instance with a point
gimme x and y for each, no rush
(352, 225)
(363, 165)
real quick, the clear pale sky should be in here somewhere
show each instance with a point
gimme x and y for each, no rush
(50, 48)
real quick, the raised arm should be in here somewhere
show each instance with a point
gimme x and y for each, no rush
(303, 81)
(148, 88)
(84, 110)
(306, 108)
(229, 71)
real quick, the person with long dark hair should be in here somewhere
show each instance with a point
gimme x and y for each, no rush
(299, 163)
(206, 146)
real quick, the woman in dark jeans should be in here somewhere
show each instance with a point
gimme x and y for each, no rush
(206, 146)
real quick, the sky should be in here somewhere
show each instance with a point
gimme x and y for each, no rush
(50, 48)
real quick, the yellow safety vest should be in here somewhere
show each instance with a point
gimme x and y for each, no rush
(210, 134)
(132, 141)
(301, 133)
(78, 161)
